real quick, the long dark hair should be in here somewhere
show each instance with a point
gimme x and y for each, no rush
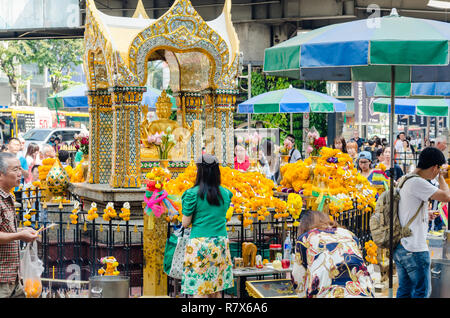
(32, 148)
(343, 142)
(208, 179)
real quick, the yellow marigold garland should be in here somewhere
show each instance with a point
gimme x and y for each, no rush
(371, 249)
(335, 176)
(125, 215)
(92, 213)
(295, 206)
(109, 212)
(252, 192)
(74, 215)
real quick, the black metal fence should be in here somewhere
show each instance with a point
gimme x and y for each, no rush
(82, 244)
(66, 247)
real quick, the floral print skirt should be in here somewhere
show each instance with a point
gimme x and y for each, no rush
(207, 266)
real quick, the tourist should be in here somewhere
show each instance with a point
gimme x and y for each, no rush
(359, 141)
(270, 161)
(379, 157)
(398, 145)
(364, 163)
(294, 154)
(411, 255)
(339, 143)
(57, 144)
(241, 160)
(441, 144)
(48, 152)
(30, 195)
(371, 148)
(32, 155)
(378, 144)
(10, 234)
(63, 156)
(328, 260)
(208, 266)
(352, 150)
(398, 172)
(437, 223)
(408, 156)
(51, 141)
(22, 150)
(14, 147)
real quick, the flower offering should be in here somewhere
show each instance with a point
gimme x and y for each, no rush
(332, 176)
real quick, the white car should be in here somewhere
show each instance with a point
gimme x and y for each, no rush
(41, 136)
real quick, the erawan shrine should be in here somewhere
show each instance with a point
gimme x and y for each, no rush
(174, 199)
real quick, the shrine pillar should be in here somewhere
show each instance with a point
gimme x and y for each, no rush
(100, 128)
(189, 108)
(126, 160)
(155, 236)
(224, 108)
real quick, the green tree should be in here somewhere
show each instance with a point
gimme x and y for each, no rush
(60, 57)
(12, 55)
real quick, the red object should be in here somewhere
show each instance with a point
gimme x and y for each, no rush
(285, 263)
(151, 186)
(320, 142)
(241, 166)
(275, 246)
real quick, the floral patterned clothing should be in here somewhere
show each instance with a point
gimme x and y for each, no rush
(207, 266)
(329, 264)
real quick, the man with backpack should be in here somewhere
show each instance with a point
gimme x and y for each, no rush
(411, 255)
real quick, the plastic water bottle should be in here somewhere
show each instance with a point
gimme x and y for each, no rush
(287, 247)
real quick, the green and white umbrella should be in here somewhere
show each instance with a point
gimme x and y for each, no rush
(364, 50)
(411, 106)
(387, 49)
(291, 100)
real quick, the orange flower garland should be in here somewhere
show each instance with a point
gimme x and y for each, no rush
(109, 212)
(92, 213)
(371, 249)
(252, 192)
(125, 215)
(74, 215)
(335, 176)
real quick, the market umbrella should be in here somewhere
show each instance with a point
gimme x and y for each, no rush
(387, 49)
(365, 50)
(75, 97)
(429, 89)
(291, 100)
(71, 97)
(414, 106)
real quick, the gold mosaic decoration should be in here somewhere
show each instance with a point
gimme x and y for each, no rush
(115, 62)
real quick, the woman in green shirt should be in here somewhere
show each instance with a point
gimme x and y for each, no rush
(208, 267)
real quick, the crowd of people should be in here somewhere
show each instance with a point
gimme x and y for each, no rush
(426, 162)
(207, 260)
(31, 157)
